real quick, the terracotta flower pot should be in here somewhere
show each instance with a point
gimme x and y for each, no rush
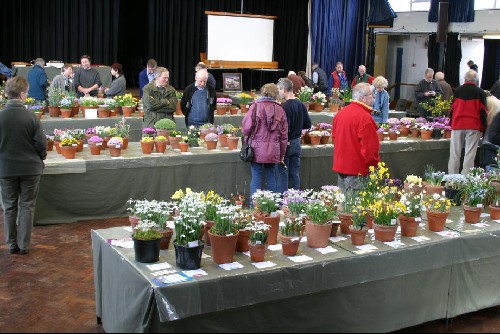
(160, 146)
(206, 228)
(345, 222)
(115, 151)
(409, 226)
(211, 145)
(384, 233)
(127, 111)
(183, 146)
(358, 236)
(431, 189)
(66, 113)
(494, 212)
(436, 220)
(223, 247)
(166, 237)
(147, 147)
(174, 142)
(232, 143)
(335, 228)
(69, 152)
(290, 245)
(318, 234)
(315, 140)
(243, 239)
(95, 149)
(257, 251)
(472, 214)
(425, 134)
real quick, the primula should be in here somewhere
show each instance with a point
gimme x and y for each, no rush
(224, 100)
(95, 139)
(149, 132)
(211, 137)
(115, 141)
(393, 121)
(437, 203)
(259, 232)
(266, 201)
(296, 201)
(160, 138)
(126, 100)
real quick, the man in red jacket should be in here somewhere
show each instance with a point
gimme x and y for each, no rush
(468, 119)
(356, 144)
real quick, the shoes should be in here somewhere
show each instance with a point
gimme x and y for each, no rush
(13, 249)
(23, 251)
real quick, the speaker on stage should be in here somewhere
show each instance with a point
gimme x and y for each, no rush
(442, 24)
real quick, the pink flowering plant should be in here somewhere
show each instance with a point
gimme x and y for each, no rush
(211, 137)
(225, 101)
(95, 139)
(148, 132)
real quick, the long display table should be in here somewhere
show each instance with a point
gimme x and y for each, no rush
(104, 72)
(348, 290)
(94, 187)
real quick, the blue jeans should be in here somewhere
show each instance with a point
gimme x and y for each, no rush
(290, 178)
(271, 177)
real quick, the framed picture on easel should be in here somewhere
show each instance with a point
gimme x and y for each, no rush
(231, 82)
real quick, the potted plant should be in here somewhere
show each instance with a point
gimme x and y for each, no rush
(315, 137)
(411, 216)
(146, 241)
(346, 96)
(494, 206)
(66, 106)
(95, 144)
(68, 147)
(174, 138)
(115, 145)
(243, 222)
(413, 183)
(244, 101)
(147, 144)
(160, 144)
(385, 213)
(37, 110)
(54, 97)
(290, 234)
(212, 199)
(224, 234)
(123, 131)
(148, 132)
(207, 128)
(295, 202)
(127, 102)
(223, 104)
(475, 190)
(187, 225)
(319, 100)
(437, 208)
(258, 241)
(304, 95)
(50, 142)
(433, 180)
(452, 185)
(319, 223)
(335, 101)
(394, 132)
(266, 203)
(357, 229)
(211, 140)
(164, 126)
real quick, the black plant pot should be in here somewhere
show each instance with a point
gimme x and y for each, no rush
(454, 195)
(188, 258)
(147, 251)
(437, 134)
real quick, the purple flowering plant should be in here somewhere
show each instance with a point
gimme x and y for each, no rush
(296, 201)
(148, 132)
(91, 131)
(211, 137)
(95, 139)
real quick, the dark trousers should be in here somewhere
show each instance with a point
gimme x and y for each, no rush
(18, 200)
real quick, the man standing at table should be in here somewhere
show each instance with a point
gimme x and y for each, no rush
(298, 119)
(356, 144)
(87, 79)
(319, 79)
(147, 75)
(199, 101)
(159, 99)
(468, 119)
(362, 76)
(427, 89)
(23, 147)
(338, 79)
(38, 81)
(210, 80)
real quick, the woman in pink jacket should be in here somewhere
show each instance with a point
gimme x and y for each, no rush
(270, 138)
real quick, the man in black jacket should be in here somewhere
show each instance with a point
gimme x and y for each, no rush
(199, 101)
(23, 147)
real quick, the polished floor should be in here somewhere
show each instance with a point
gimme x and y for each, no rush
(51, 289)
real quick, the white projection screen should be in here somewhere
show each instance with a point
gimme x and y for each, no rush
(240, 38)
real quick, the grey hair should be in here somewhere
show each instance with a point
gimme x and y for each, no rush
(471, 76)
(361, 90)
(286, 84)
(429, 70)
(439, 76)
(158, 71)
(40, 61)
(380, 82)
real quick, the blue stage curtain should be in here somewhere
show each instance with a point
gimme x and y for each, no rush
(381, 13)
(338, 33)
(490, 63)
(458, 11)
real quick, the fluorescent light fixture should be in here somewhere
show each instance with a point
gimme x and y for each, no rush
(491, 36)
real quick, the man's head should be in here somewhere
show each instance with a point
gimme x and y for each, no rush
(361, 70)
(285, 86)
(291, 73)
(151, 66)
(470, 63)
(428, 74)
(314, 66)
(85, 61)
(161, 76)
(201, 65)
(201, 78)
(339, 67)
(362, 92)
(40, 62)
(17, 88)
(67, 71)
(471, 76)
(439, 76)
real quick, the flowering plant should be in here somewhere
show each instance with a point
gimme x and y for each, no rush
(315, 133)
(266, 201)
(89, 101)
(393, 121)
(36, 108)
(224, 219)
(454, 181)
(412, 204)
(69, 141)
(319, 213)
(66, 103)
(211, 137)
(359, 213)
(296, 201)
(408, 121)
(148, 132)
(258, 233)
(324, 126)
(330, 195)
(212, 199)
(146, 230)
(394, 129)
(385, 212)
(126, 100)
(29, 101)
(319, 97)
(335, 93)
(437, 106)
(224, 101)
(244, 98)
(291, 227)
(122, 129)
(115, 141)
(476, 187)
(433, 177)
(146, 139)
(425, 126)
(346, 95)
(225, 128)
(95, 139)
(437, 203)
(188, 223)
(304, 94)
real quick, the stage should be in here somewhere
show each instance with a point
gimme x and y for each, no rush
(348, 290)
(94, 187)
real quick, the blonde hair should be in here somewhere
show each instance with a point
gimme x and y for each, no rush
(493, 106)
(380, 82)
(270, 90)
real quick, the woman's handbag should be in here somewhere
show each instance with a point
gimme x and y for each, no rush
(246, 152)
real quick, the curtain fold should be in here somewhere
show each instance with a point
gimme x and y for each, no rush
(490, 63)
(452, 57)
(338, 33)
(381, 13)
(458, 11)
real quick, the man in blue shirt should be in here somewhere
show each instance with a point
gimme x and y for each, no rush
(38, 81)
(199, 101)
(298, 119)
(147, 75)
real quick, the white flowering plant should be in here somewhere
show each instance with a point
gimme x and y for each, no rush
(224, 219)
(266, 201)
(188, 223)
(412, 203)
(305, 93)
(318, 97)
(296, 201)
(146, 230)
(477, 187)
(259, 233)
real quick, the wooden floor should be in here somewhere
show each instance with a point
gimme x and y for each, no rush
(51, 289)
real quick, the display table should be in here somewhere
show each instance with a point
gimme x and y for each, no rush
(99, 186)
(104, 72)
(78, 122)
(347, 290)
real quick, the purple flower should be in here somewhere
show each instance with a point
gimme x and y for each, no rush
(95, 139)
(149, 131)
(91, 131)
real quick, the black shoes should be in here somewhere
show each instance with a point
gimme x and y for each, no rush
(13, 249)
(23, 251)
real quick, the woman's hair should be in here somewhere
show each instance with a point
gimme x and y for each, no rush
(15, 86)
(270, 90)
(118, 68)
(380, 82)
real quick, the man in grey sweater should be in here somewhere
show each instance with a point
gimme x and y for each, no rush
(87, 79)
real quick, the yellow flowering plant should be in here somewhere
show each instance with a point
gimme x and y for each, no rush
(211, 199)
(179, 194)
(126, 100)
(437, 105)
(386, 212)
(244, 98)
(437, 203)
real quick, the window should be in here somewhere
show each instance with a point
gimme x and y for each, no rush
(410, 5)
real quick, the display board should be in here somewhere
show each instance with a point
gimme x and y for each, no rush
(240, 37)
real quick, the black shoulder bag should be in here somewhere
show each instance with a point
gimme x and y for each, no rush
(246, 152)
